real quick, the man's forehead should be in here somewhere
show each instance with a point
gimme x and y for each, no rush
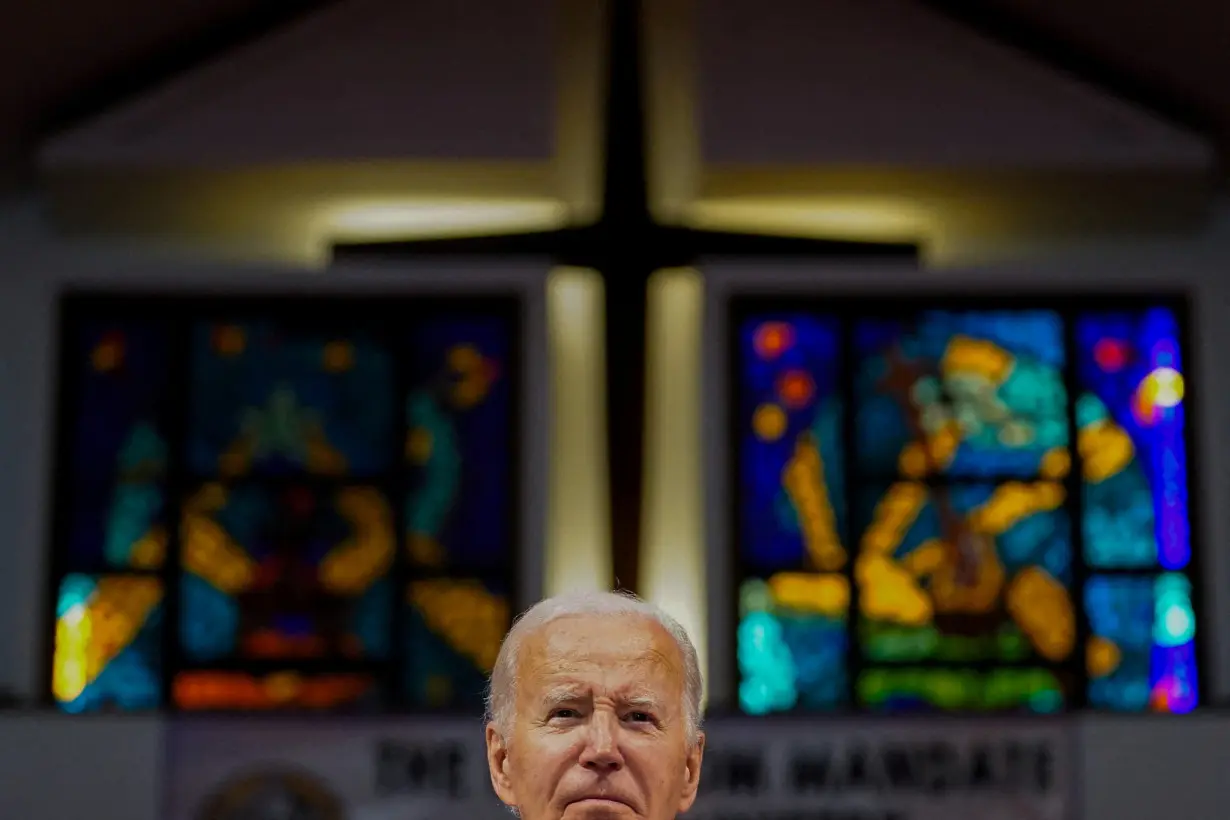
(576, 644)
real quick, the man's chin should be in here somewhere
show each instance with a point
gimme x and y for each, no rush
(597, 809)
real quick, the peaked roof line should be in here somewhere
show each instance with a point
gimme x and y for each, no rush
(177, 58)
(216, 42)
(1034, 42)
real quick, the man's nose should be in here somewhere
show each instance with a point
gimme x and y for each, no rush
(601, 753)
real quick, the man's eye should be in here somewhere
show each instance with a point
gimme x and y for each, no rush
(640, 717)
(566, 714)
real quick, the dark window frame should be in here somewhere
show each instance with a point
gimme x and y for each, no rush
(741, 305)
(182, 310)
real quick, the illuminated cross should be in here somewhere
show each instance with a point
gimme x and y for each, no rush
(626, 246)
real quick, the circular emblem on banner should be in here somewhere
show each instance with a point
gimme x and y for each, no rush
(275, 795)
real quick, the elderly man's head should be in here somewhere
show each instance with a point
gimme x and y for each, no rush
(594, 712)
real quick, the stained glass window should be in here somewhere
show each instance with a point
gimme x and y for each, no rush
(972, 508)
(284, 504)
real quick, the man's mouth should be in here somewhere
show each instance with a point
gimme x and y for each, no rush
(603, 798)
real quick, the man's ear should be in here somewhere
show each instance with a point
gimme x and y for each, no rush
(691, 774)
(498, 765)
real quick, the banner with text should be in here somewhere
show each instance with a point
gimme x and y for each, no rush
(804, 769)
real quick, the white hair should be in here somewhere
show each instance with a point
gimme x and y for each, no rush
(501, 691)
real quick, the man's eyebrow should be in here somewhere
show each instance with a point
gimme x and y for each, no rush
(563, 694)
(571, 693)
(643, 701)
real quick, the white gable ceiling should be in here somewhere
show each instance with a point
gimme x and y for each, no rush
(363, 80)
(890, 82)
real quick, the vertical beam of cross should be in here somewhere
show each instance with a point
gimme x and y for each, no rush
(628, 266)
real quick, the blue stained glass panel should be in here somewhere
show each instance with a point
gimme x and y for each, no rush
(118, 527)
(1142, 653)
(459, 418)
(1131, 418)
(962, 393)
(454, 630)
(118, 453)
(275, 399)
(118, 433)
(310, 437)
(792, 642)
(791, 489)
(286, 572)
(959, 521)
(108, 643)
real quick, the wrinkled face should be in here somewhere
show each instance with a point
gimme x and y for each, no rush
(599, 730)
